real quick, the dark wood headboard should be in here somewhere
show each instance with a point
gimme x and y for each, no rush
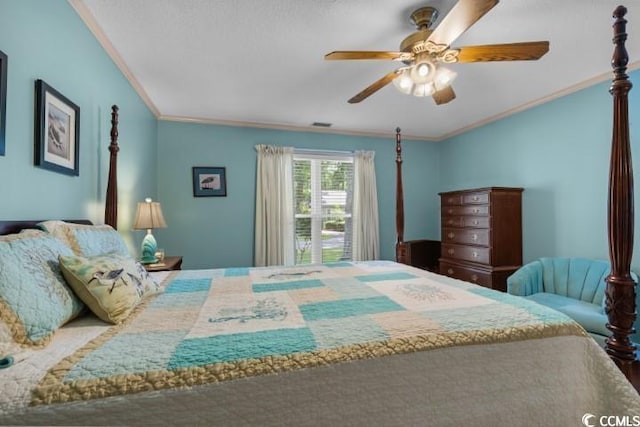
(10, 227)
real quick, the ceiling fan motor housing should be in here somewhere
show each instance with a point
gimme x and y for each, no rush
(424, 17)
(410, 41)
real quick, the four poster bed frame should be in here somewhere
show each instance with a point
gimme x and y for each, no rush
(620, 304)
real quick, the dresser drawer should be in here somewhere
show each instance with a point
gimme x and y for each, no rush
(451, 199)
(466, 221)
(452, 221)
(465, 273)
(473, 236)
(467, 253)
(475, 198)
(490, 277)
(465, 210)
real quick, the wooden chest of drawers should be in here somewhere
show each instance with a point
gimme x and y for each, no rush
(481, 235)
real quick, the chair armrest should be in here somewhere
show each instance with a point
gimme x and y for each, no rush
(527, 280)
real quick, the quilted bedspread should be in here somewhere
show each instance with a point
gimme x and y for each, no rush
(215, 325)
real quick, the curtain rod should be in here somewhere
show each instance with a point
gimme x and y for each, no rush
(319, 151)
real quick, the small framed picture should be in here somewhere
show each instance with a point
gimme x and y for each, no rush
(209, 181)
(3, 100)
(57, 131)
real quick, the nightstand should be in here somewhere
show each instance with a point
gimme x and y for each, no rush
(168, 264)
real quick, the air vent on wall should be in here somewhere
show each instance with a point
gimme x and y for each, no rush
(321, 124)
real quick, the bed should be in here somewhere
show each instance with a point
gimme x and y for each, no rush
(347, 343)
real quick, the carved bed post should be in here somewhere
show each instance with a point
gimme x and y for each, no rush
(400, 247)
(620, 293)
(111, 205)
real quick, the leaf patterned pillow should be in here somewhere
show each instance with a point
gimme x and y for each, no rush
(111, 285)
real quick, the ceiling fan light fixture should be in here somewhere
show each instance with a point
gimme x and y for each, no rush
(423, 89)
(444, 77)
(422, 72)
(419, 79)
(403, 82)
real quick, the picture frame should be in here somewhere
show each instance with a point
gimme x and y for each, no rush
(209, 181)
(57, 131)
(4, 66)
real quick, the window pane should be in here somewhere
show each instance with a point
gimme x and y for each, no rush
(302, 210)
(302, 186)
(323, 198)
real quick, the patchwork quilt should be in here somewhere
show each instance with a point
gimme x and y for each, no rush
(216, 325)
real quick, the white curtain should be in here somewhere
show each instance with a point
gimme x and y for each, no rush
(366, 236)
(274, 206)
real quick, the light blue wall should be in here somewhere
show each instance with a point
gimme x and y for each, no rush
(219, 231)
(559, 152)
(47, 40)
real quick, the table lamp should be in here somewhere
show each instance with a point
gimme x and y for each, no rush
(148, 217)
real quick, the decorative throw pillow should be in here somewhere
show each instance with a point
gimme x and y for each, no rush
(34, 297)
(111, 285)
(87, 240)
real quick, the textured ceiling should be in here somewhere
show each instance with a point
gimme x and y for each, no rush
(260, 62)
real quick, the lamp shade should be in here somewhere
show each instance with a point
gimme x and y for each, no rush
(148, 216)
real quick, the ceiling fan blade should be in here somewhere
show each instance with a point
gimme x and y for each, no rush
(526, 51)
(462, 16)
(364, 54)
(444, 95)
(375, 87)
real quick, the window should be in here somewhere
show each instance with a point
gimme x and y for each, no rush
(323, 199)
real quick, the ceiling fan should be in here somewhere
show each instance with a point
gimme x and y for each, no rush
(427, 49)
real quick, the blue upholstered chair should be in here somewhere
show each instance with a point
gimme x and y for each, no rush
(573, 286)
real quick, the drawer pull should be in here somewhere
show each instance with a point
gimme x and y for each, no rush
(474, 254)
(474, 277)
(451, 251)
(450, 211)
(450, 271)
(474, 236)
(475, 198)
(450, 222)
(476, 210)
(475, 222)
(451, 235)
(451, 200)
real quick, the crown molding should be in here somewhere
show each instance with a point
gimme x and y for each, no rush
(559, 94)
(277, 126)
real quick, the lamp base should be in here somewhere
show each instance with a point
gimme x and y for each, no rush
(149, 247)
(146, 260)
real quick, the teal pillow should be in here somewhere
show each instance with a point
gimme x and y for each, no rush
(87, 240)
(34, 297)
